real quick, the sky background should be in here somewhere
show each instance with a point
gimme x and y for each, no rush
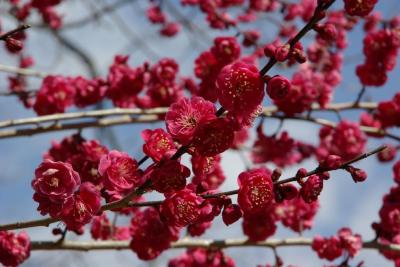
(343, 203)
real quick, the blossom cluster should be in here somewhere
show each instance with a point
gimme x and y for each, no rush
(334, 246)
(14, 248)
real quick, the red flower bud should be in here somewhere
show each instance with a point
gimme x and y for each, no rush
(331, 162)
(311, 189)
(231, 214)
(387, 154)
(276, 174)
(282, 52)
(357, 174)
(289, 191)
(327, 31)
(14, 45)
(278, 87)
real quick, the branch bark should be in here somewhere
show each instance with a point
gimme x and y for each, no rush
(128, 116)
(22, 71)
(195, 243)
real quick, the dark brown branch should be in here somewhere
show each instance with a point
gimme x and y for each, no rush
(21, 28)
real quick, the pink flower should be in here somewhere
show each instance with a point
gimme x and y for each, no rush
(210, 181)
(280, 149)
(297, 214)
(150, 234)
(101, 227)
(231, 214)
(327, 248)
(200, 257)
(199, 228)
(14, 248)
(226, 49)
(120, 171)
(278, 87)
(184, 117)
(371, 74)
(359, 7)
(55, 95)
(13, 45)
(352, 243)
(170, 29)
(240, 87)
(255, 191)
(55, 180)
(204, 165)
(84, 205)
(157, 143)
(259, 226)
(213, 137)
(84, 156)
(124, 82)
(88, 92)
(163, 94)
(388, 113)
(206, 65)
(311, 189)
(396, 172)
(155, 14)
(345, 140)
(169, 176)
(164, 71)
(41, 4)
(181, 208)
(122, 233)
(388, 154)
(357, 174)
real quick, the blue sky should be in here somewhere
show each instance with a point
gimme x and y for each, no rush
(343, 203)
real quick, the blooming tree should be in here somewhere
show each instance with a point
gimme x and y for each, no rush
(172, 195)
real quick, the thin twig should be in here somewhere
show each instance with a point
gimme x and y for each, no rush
(21, 28)
(360, 95)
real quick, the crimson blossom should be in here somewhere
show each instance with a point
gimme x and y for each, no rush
(157, 143)
(81, 208)
(255, 191)
(345, 140)
(182, 208)
(120, 171)
(200, 257)
(333, 247)
(54, 185)
(184, 117)
(55, 95)
(14, 248)
(151, 235)
(169, 176)
(240, 87)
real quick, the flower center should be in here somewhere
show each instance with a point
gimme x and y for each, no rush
(54, 181)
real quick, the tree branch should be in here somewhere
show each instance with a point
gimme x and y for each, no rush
(21, 28)
(195, 243)
(126, 201)
(147, 115)
(22, 71)
(158, 111)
